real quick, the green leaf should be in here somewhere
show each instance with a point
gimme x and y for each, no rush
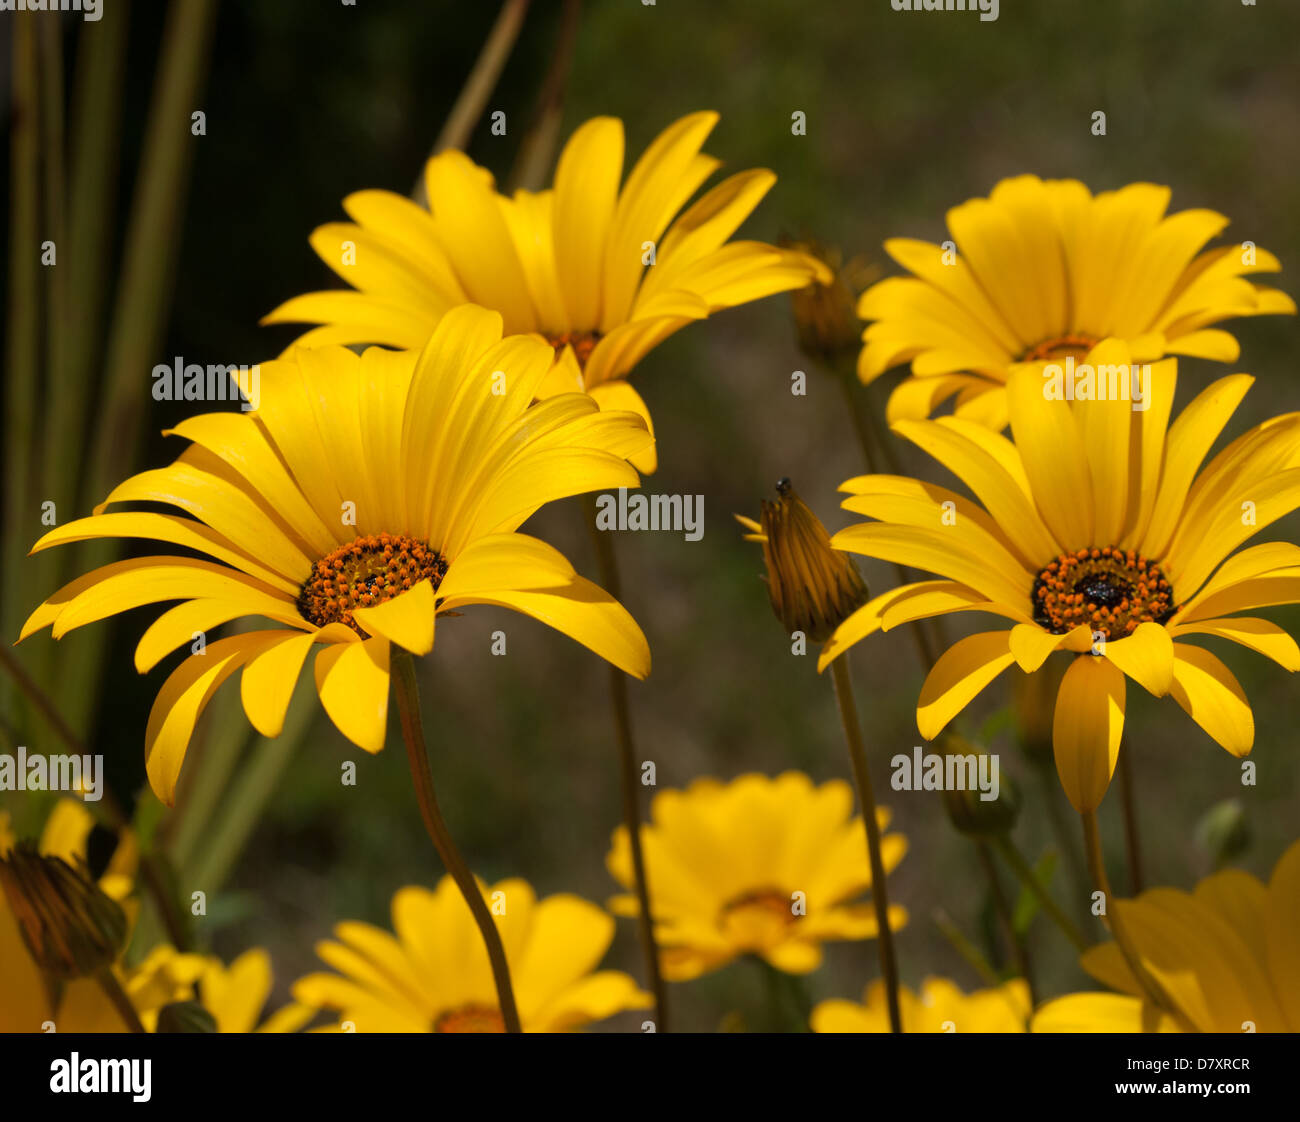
(1026, 903)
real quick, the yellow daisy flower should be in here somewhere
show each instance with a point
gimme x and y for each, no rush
(1044, 270)
(604, 274)
(1226, 955)
(236, 994)
(363, 497)
(433, 976)
(28, 1000)
(770, 867)
(939, 1007)
(1096, 536)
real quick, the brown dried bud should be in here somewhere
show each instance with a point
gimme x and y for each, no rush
(825, 314)
(71, 928)
(813, 587)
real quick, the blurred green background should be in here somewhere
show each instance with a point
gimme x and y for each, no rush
(907, 115)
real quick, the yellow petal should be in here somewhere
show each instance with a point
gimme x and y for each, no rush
(352, 680)
(1055, 459)
(961, 672)
(267, 684)
(1146, 656)
(1213, 698)
(1086, 729)
(406, 620)
(586, 613)
(182, 699)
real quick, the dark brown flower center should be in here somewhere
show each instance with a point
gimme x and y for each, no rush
(470, 1018)
(1107, 589)
(364, 573)
(1061, 346)
(582, 342)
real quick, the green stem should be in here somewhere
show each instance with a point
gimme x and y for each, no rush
(117, 995)
(407, 692)
(22, 350)
(862, 777)
(92, 199)
(628, 773)
(144, 295)
(535, 152)
(220, 744)
(1018, 949)
(1027, 877)
(964, 947)
(478, 87)
(1152, 989)
(241, 808)
(1066, 840)
(1128, 804)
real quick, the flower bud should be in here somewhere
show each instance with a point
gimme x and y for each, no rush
(70, 927)
(967, 809)
(1224, 832)
(825, 313)
(813, 587)
(185, 1016)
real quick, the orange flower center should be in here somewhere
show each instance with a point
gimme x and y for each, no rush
(364, 573)
(582, 342)
(1107, 589)
(1060, 347)
(758, 918)
(471, 1018)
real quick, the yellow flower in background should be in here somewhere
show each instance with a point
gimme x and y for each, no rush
(28, 1000)
(1099, 534)
(812, 587)
(603, 273)
(770, 867)
(235, 995)
(939, 1007)
(1044, 270)
(1226, 955)
(364, 496)
(433, 975)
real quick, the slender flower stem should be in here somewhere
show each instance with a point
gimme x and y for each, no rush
(858, 756)
(537, 148)
(408, 708)
(1128, 804)
(38, 698)
(1019, 951)
(964, 947)
(22, 347)
(1029, 879)
(478, 87)
(609, 577)
(117, 995)
(1053, 800)
(1152, 989)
